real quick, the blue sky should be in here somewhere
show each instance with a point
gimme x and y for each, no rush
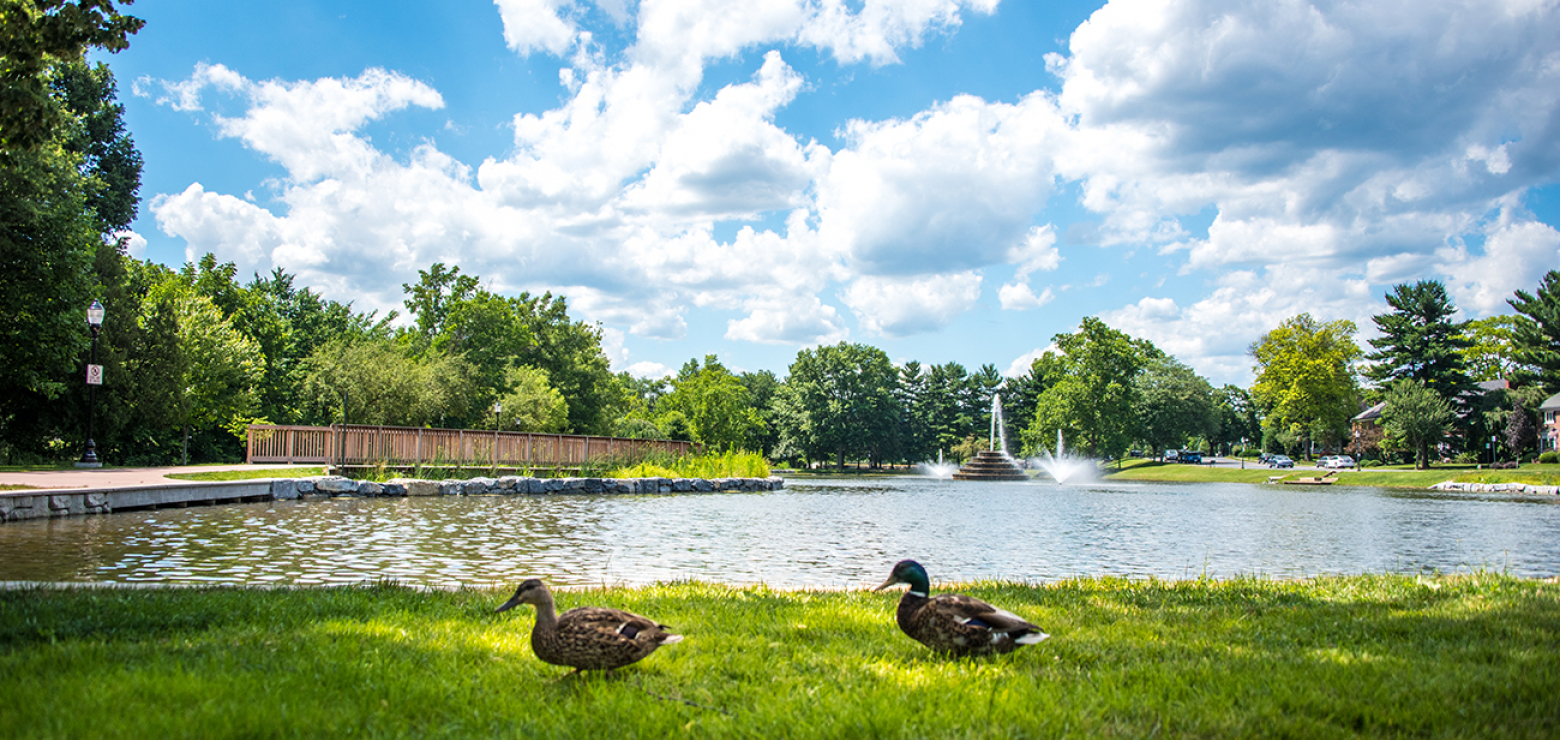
(949, 180)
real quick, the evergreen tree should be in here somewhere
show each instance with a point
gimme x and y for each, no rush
(1537, 332)
(1419, 341)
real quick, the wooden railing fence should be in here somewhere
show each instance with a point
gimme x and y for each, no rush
(358, 446)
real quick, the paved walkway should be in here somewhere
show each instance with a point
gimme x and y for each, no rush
(116, 477)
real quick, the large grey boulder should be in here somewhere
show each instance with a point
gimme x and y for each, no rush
(284, 489)
(335, 484)
(416, 486)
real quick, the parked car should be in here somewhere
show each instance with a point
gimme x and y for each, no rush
(1265, 458)
(1325, 461)
(1194, 458)
(1172, 456)
(1280, 461)
(1335, 462)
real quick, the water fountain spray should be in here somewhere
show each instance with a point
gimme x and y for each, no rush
(994, 463)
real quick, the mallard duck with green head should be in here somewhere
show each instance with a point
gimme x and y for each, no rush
(588, 638)
(953, 623)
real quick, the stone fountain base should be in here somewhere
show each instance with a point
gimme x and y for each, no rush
(991, 465)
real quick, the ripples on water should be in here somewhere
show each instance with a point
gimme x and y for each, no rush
(845, 532)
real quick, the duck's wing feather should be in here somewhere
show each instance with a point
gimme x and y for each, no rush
(606, 625)
(974, 612)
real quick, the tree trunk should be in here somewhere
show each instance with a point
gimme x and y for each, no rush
(184, 454)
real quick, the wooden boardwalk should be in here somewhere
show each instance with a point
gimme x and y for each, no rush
(361, 446)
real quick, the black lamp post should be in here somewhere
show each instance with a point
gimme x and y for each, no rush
(94, 379)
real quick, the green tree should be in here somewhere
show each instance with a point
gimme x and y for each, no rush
(1420, 341)
(436, 291)
(216, 367)
(531, 404)
(1492, 354)
(34, 35)
(489, 331)
(385, 381)
(1020, 395)
(1094, 401)
(715, 403)
(570, 351)
(48, 242)
(839, 401)
(1537, 332)
(762, 387)
(1305, 376)
(1418, 416)
(1175, 404)
(1237, 417)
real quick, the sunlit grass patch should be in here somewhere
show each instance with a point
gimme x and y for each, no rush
(729, 464)
(247, 474)
(1378, 655)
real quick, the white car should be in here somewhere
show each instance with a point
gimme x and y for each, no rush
(1336, 462)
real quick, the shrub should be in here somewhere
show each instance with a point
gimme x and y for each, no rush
(1370, 464)
(1549, 458)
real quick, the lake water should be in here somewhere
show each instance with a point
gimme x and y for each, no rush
(817, 533)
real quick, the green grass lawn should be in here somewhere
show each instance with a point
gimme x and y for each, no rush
(1546, 475)
(221, 475)
(1371, 656)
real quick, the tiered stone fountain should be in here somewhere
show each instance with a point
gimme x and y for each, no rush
(995, 463)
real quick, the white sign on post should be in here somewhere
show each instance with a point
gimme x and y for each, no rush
(94, 375)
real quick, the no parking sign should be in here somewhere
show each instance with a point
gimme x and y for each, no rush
(94, 375)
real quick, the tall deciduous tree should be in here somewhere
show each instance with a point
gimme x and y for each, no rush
(1095, 400)
(1492, 354)
(1418, 416)
(1305, 376)
(384, 381)
(437, 290)
(1420, 341)
(1175, 404)
(217, 368)
(531, 404)
(840, 401)
(715, 403)
(1537, 333)
(35, 34)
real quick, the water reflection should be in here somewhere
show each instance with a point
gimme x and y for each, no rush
(817, 533)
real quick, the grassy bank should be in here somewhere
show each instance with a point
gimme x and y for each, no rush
(223, 475)
(1545, 475)
(1386, 656)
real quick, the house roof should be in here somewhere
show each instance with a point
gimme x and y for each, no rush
(1553, 404)
(1373, 413)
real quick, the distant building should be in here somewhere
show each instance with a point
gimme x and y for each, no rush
(1367, 430)
(1549, 431)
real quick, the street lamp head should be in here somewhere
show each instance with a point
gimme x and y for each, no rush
(95, 315)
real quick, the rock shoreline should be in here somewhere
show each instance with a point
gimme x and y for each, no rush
(1497, 488)
(327, 486)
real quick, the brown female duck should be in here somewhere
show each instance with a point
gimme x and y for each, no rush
(956, 624)
(587, 638)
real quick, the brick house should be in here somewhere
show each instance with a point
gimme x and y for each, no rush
(1549, 426)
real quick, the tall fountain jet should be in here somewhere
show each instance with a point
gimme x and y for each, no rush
(1061, 466)
(995, 463)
